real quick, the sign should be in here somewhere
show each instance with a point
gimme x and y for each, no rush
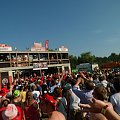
(4, 47)
(37, 47)
(62, 48)
(39, 66)
(74, 70)
(84, 67)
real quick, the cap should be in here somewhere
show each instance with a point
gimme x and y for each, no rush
(16, 93)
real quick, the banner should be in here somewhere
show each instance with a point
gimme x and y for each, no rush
(46, 44)
(4, 47)
(37, 47)
(62, 48)
(39, 66)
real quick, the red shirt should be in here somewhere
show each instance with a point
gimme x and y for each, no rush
(19, 115)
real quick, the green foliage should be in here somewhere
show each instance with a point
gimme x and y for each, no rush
(87, 57)
(73, 61)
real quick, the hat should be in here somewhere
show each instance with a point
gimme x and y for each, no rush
(16, 93)
(67, 86)
(10, 112)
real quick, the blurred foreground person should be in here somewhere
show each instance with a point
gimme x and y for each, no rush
(98, 106)
(115, 98)
(56, 116)
(99, 93)
(11, 112)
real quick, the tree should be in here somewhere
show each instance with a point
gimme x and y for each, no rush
(113, 57)
(73, 61)
(87, 57)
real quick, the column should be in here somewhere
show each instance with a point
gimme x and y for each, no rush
(0, 82)
(69, 69)
(10, 74)
(63, 69)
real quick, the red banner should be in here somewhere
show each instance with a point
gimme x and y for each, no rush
(46, 44)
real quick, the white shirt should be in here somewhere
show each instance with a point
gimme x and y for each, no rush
(37, 93)
(74, 101)
(104, 82)
(115, 100)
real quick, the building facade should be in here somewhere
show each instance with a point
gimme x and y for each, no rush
(15, 63)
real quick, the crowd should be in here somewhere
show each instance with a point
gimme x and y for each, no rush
(80, 96)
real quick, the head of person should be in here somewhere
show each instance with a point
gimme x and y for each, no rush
(11, 112)
(16, 94)
(29, 95)
(21, 88)
(102, 77)
(100, 93)
(57, 92)
(33, 87)
(5, 102)
(72, 81)
(89, 85)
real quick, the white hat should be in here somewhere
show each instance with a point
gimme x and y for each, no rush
(10, 112)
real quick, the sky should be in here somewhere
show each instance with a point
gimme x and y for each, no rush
(80, 25)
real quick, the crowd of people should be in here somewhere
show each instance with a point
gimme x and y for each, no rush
(78, 96)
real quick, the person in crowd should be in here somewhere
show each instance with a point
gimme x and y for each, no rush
(99, 93)
(86, 94)
(115, 98)
(79, 83)
(38, 87)
(55, 115)
(17, 99)
(98, 106)
(103, 80)
(5, 101)
(12, 112)
(54, 85)
(96, 79)
(36, 93)
(32, 111)
(44, 87)
(90, 76)
(61, 101)
(23, 93)
(74, 100)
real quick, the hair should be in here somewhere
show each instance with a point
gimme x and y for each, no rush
(89, 85)
(79, 76)
(57, 92)
(55, 115)
(29, 97)
(21, 88)
(72, 81)
(33, 87)
(5, 102)
(102, 77)
(100, 93)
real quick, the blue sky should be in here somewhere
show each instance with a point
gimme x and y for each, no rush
(80, 25)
